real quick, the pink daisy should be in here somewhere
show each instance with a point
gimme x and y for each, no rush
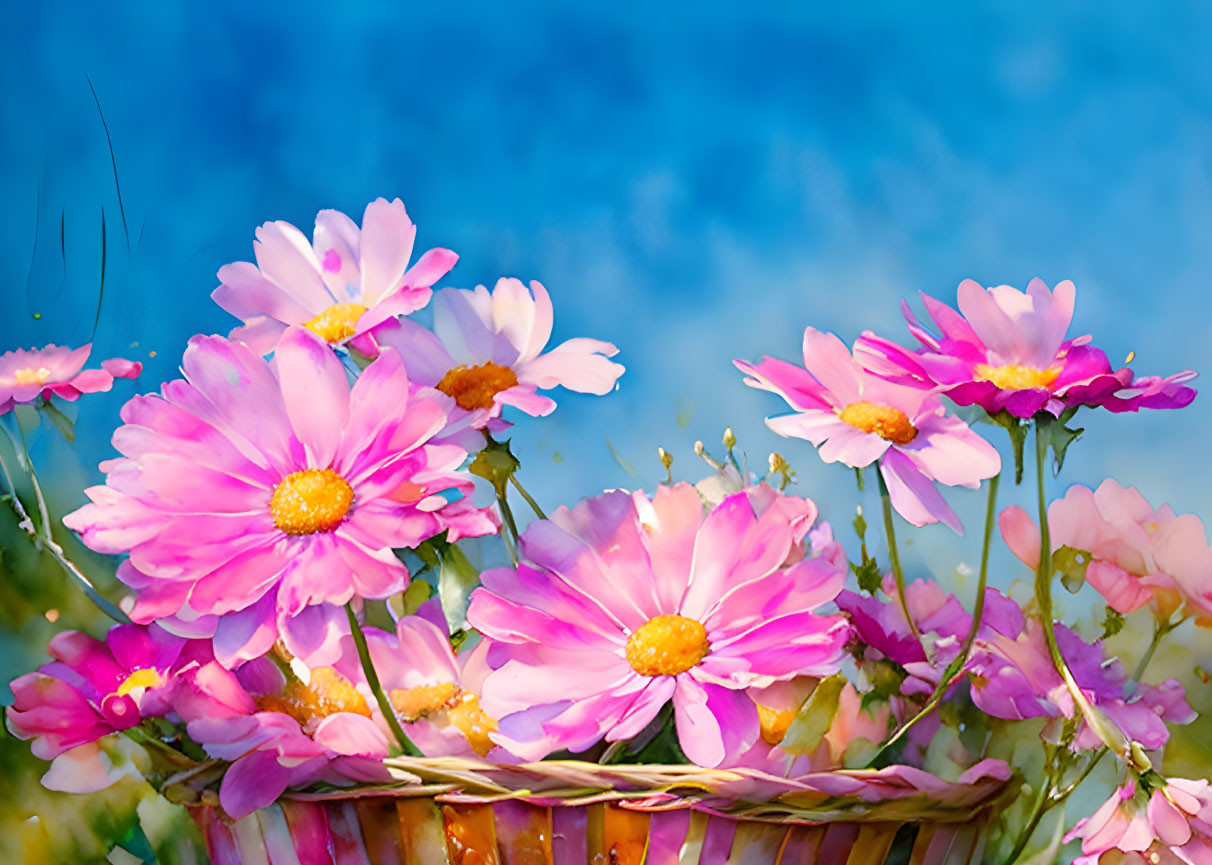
(290, 732)
(340, 285)
(56, 371)
(1135, 555)
(624, 603)
(857, 418)
(1008, 351)
(1165, 825)
(486, 350)
(249, 492)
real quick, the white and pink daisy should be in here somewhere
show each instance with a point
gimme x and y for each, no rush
(623, 603)
(249, 492)
(486, 350)
(339, 285)
(56, 371)
(1169, 824)
(857, 418)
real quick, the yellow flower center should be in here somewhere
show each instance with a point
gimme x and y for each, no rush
(139, 679)
(774, 723)
(462, 708)
(313, 500)
(474, 723)
(666, 646)
(475, 387)
(30, 375)
(1016, 377)
(326, 693)
(336, 323)
(413, 704)
(890, 424)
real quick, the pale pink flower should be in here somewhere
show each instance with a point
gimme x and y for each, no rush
(435, 693)
(486, 350)
(1008, 352)
(1171, 823)
(56, 371)
(857, 418)
(250, 492)
(624, 603)
(1134, 555)
(341, 284)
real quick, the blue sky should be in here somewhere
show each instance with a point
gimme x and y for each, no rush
(691, 185)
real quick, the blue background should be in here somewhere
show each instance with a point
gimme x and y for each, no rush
(692, 185)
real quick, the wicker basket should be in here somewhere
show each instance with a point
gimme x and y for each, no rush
(463, 812)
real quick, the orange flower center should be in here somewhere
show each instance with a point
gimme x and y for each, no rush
(887, 422)
(475, 387)
(1016, 377)
(774, 723)
(30, 375)
(326, 693)
(336, 323)
(139, 679)
(667, 645)
(462, 711)
(313, 500)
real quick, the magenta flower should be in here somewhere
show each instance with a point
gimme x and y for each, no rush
(1008, 351)
(291, 733)
(250, 492)
(95, 688)
(624, 603)
(1135, 555)
(1169, 824)
(857, 418)
(56, 371)
(486, 351)
(339, 286)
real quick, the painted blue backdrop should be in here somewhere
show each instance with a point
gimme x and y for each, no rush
(691, 185)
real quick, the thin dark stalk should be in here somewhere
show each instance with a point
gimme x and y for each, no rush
(376, 688)
(534, 506)
(509, 526)
(113, 161)
(1039, 807)
(894, 556)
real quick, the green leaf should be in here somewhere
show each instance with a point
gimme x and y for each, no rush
(59, 420)
(496, 464)
(1018, 437)
(868, 574)
(815, 717)
(457, 577)
(417, 593)
(1071, 564)
(1060, 437)
(621, 460)
(1113, 623)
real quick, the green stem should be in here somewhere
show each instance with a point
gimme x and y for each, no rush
(897, 574)
(509, 526)
(1039, 806)
(534, 506)
(957, 665)
(45, 541)
(1043, 597)
(858, 477)
(372, 679)
(1160, 629)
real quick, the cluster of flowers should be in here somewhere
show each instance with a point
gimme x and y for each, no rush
(264, 507)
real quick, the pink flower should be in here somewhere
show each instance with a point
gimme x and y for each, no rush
(435, 693)
(856, 418)
(486, 351)
(250, 492)
(1007, 351)
(339, 286)
(291, 733)
(95, 688)
(1135, 555)
(624, 603)
(1171, 823)
(56, 371)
